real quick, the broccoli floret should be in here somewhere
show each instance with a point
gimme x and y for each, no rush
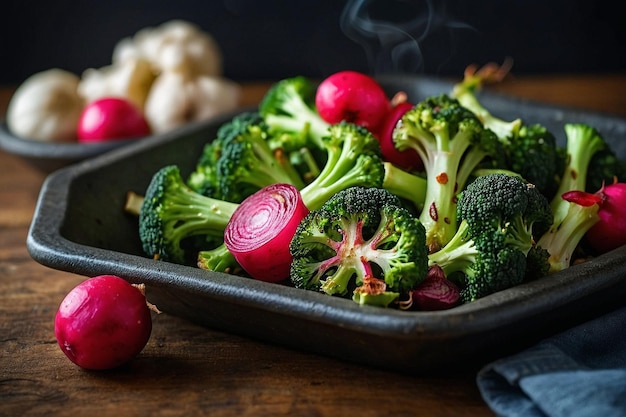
(173, 215)
(451, 142)
(363, 240)
(605, 167)
(240, 162)
(561, 242)
(530, 150)
(205, 178)
(571, 218)
(497, 215)
(353, 159)
(289, 110)
(247, 164)
(583, 143)
(219, 259)
(535, 155)
(466, 93)
(408, 186)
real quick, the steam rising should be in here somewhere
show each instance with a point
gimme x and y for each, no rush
(396, 46)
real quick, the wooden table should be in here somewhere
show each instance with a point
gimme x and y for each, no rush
(189, 370)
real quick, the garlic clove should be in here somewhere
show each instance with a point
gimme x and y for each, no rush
(176, 99)
(130, 79)
(46, 107)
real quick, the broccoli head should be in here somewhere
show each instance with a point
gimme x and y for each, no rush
(497, 215)
(534, 154)
(247, 164)
(173, 217)
(353, 159)
(205, 178)
(361, 240)
(529, 150)
(289, 110)
(240, 162)
(451, 142)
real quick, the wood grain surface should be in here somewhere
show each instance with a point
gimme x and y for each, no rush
(188, 370)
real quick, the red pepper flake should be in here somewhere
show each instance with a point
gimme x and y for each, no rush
(582, 198)
(432, 210)
(442, 178)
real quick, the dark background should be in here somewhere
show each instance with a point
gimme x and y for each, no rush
(266, 39)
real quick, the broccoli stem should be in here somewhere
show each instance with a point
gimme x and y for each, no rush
(502, 128)
(583, 142)
(336, 176)
(459, 254)
(305, 118)
(408, 186)
(219, 259)
(466, 93)
(439, 213)
(561, 242)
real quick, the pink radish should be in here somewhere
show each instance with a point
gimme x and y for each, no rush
(111, 118)
(353, 97)
(408, 159)
(103, 323)
(261, 228)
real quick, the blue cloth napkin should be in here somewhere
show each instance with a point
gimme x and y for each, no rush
(578, 373)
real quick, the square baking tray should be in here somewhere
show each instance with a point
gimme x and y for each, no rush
(80, 226)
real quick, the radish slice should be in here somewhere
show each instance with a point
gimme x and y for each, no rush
(436, 292)
(261, 228)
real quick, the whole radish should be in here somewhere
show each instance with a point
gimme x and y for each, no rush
(103, 323)
(610, 231)
(354, 97)
(260, 230)
(111, 118)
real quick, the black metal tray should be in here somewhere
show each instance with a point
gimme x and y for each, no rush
(80, 226)
(50, 156)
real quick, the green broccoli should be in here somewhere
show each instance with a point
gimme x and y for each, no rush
(173, 216)
(353, 159)
(583, 143)
(572, 219)
(247, 164)
(239, 162)
(294, 123)
(466, 93)
(204, 179)
(605, 167)
(451, 142)
(406, 185)
(530, 150)
(219, 259)
(498, 214)
(361, 240)
(289, 110)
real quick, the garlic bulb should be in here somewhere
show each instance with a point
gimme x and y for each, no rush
(130, 79)
(177, 46)
(175, 99)
(46, 107)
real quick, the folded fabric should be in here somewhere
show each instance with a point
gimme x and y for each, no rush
(578, 373)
